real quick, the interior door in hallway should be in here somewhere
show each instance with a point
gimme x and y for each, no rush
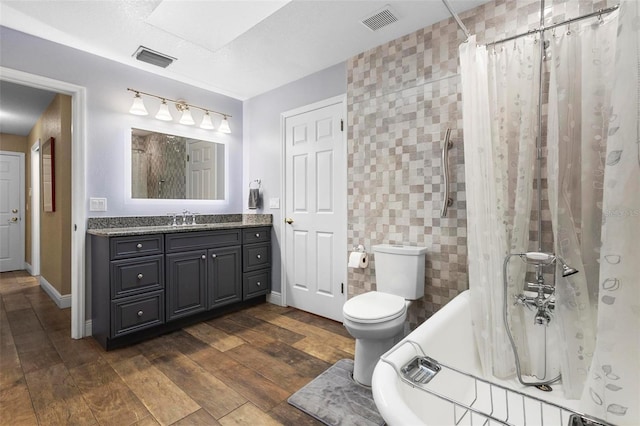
(201, 175)
(11, 225)
(316, 209)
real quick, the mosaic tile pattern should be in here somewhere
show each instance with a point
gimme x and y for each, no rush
(402, 96)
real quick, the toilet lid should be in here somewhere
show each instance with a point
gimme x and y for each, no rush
(373, 307)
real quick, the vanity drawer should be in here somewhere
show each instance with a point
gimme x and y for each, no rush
(256, 235)
(137, 313)
(256, 283)
(256, 256)
(201, 240)
(139, 245)
(138, 275)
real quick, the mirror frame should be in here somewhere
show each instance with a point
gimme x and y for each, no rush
(204, 135)
(48, 168)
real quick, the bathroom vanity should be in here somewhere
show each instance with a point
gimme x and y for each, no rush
(149, 280)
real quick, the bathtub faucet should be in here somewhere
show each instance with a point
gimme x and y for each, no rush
(543, 303)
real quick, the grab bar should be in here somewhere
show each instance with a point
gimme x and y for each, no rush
(447, 201)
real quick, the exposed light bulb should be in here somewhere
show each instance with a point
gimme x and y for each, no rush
(186, 118)
(224, 126)
(163, 113)
(206, 122)
(137, 108)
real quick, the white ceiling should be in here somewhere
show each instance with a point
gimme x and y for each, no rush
(238, 48)
(20, 107)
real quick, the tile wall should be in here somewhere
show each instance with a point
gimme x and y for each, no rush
(402, 96)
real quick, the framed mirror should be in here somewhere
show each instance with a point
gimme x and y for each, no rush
(48, 175)
(173, 167)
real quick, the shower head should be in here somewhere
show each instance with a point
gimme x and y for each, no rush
(566, 269)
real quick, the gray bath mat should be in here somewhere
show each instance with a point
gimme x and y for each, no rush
(335, 399)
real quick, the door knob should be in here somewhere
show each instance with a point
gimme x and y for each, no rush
(13, 219)
(14, 211)
(289, 220)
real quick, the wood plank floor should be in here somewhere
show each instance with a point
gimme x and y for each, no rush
(235, 370)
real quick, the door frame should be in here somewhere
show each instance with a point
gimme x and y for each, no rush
(79, 326)
(35, 208)
(21, 207)
(283, 184)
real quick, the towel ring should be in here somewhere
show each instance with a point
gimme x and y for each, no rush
(257, 182)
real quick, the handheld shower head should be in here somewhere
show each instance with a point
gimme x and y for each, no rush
(538, 258)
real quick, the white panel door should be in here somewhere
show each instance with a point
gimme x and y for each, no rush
(201, 161)
(316, 211)
(11, 236)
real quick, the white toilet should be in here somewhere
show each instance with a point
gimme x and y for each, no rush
(376, 319)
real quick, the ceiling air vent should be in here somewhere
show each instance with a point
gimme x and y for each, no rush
(152, 57)
(379, 19)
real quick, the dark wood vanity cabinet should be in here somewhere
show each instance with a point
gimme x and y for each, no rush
(144, 283)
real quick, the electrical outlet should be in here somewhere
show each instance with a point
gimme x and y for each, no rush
(97, 204)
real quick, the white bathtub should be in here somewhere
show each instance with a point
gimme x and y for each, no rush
(447, 337)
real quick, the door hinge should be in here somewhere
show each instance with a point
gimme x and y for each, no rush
(342, 288)
(341, 125)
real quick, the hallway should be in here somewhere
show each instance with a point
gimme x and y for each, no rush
(233, 370)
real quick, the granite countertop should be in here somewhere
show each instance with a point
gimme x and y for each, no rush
(121, 227)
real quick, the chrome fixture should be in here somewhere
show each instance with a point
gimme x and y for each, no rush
(543, 303)
(185, 109)
(446, 200)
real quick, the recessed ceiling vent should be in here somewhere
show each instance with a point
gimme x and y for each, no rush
(152, 57)
(380, 19)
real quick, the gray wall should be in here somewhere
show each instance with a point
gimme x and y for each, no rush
(108, 120)
(263, 142)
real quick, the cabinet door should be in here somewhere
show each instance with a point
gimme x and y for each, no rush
(186, 283)
(224, 275)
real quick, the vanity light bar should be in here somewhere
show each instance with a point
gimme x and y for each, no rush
(138, 108)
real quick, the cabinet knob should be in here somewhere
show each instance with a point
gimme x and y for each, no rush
(140, 276)
(139, 245)
(257, 235)
(259, 256)
(258, 284)
(140, 313)
(204, 256)
(213, 256)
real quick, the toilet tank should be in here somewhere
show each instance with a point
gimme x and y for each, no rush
(400, 270)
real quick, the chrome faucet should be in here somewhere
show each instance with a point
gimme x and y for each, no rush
(173, 219)
(544, 302)
(185, 213)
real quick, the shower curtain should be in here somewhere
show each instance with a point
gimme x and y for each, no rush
(593, 172)
(499, 92)
(581, 76)
(613, 385)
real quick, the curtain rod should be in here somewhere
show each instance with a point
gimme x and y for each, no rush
(599, 12)
(455, 16)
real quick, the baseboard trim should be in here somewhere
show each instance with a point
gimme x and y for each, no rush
(63, 302)
(28, 268)
(88, 328)
(275, 298)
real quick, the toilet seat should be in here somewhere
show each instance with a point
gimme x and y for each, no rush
(374, 307)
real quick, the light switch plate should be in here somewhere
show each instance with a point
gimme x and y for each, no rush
(97, 204)
(274, 203)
